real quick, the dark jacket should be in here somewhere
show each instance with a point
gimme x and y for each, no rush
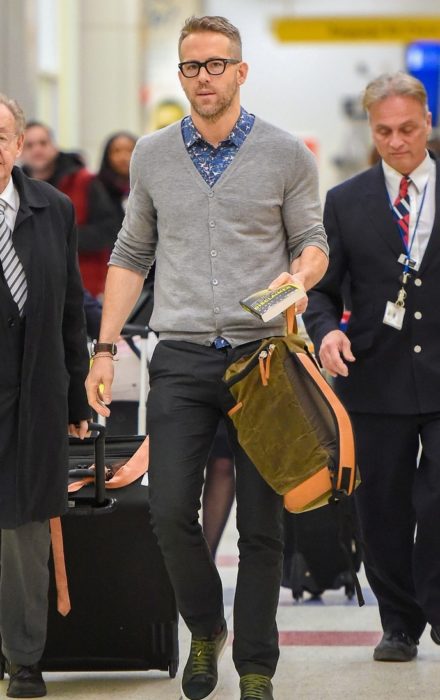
(44, 359)
(117, 189)
(396, 372)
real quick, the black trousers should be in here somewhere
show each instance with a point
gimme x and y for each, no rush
(399, 508)
(186, 399)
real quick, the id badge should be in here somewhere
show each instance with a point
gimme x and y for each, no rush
(394, 314)
(408, 262)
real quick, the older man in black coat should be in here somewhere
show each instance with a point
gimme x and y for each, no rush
(384, 232)
(42, 397)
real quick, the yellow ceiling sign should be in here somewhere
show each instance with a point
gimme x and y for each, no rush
(340, 29)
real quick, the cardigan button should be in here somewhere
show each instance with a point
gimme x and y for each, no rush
(11, 322)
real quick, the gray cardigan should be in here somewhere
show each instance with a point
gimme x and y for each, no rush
(214, 246)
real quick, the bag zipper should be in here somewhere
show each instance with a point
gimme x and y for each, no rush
(254, 360)
(264, 361)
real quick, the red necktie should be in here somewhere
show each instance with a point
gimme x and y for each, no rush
(401, 208)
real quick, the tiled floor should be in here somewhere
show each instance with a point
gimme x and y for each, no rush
(326, 654)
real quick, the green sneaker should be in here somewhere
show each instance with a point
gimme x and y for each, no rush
(253, 686)
(200, 678)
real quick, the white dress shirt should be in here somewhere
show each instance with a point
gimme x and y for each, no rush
(12, 200)
(423, 176)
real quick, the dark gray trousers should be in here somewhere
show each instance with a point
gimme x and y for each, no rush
(24, 581)
(186, 400)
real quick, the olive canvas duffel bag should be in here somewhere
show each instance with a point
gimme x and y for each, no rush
(291, 424)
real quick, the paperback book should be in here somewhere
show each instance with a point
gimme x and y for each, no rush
(268, 303)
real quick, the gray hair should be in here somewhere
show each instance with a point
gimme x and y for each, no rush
(390, 84)
(212, 24)
(16, 112)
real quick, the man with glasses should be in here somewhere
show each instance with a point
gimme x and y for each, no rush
(44, 364)
(226, 204)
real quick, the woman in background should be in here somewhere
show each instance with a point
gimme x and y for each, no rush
(114, 171)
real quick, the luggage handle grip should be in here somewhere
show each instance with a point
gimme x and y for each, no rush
(132, 329)
(99, 443)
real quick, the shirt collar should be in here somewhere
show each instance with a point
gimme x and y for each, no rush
(238, 134)
(9, 195)
(419, 176)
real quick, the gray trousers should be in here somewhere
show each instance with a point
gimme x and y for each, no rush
(24, 581)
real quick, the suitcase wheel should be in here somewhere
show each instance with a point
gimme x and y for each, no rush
(297, 594)
(173, 667)
(349, 592)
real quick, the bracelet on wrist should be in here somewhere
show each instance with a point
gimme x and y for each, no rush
(104, 354)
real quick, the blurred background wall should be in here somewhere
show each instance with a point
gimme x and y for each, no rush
(89, 67)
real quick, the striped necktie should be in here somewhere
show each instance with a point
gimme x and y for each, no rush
(12, 268)
(401, 208)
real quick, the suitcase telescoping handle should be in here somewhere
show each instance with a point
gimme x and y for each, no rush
(99, 447)
(128, 332)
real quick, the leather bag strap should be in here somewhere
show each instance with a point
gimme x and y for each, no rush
(346, 440)
(59, 564)
(292, 326)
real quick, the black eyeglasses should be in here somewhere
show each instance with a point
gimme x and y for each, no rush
(213, 66)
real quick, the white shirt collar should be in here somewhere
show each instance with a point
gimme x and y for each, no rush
(419, 176)
(9, 195)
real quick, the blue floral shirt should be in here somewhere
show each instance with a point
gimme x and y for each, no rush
(212, 162)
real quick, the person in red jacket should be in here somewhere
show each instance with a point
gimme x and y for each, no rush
(43, 160)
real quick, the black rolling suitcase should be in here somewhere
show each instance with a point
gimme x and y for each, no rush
(124, 614)
(321, 550)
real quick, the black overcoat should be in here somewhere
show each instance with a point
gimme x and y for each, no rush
(44, 361)
(396, 371)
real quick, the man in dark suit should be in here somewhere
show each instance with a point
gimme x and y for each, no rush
(42, 396)
(384, 233)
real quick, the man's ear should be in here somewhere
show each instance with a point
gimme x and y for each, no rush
(429, 123)
(242, 73)
(20, 145)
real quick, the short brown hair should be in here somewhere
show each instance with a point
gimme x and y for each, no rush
(32, 123)
(212, 24)
(16, 112)
(390, 84)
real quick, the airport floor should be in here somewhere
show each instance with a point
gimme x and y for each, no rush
(326, 654)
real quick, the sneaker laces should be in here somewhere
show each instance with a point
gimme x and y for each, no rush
(253, 685)
(202, 654)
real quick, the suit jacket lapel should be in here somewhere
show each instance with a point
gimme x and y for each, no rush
(30, 201)
(378, 212)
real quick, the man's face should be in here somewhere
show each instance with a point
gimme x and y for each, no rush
(211, 96)
(10, 145)
(400, 127)
(39, 151)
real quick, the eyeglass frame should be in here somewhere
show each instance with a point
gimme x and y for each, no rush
(204, 64)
